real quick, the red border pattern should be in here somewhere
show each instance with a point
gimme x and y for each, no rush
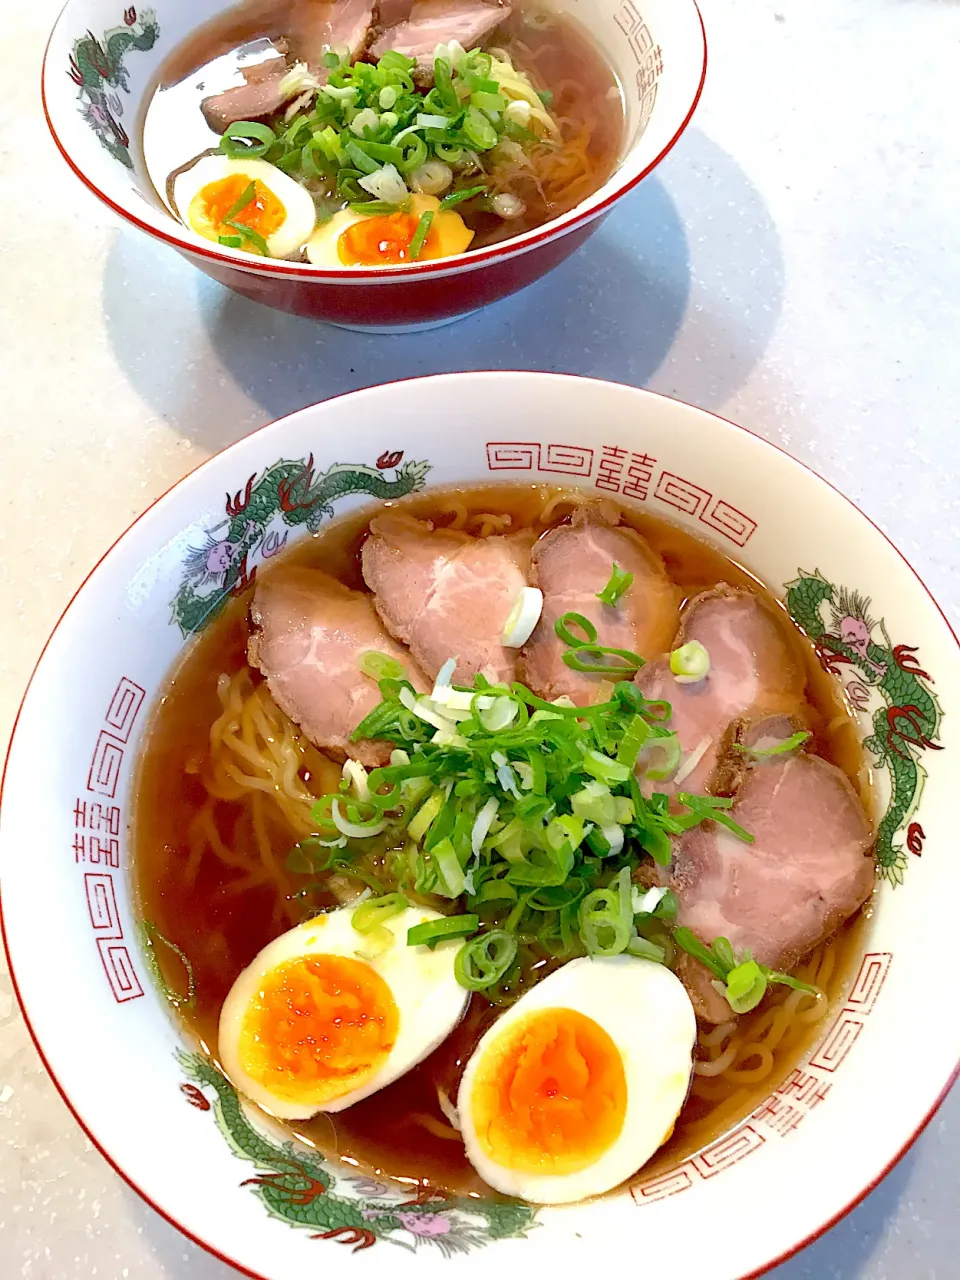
(648, 57)
(786, 1108)
(629, 473)
(96, 840)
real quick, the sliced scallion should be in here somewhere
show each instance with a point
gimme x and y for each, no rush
(380, 666)
(690, 663)
(431, 932)
(420, 236)
(779, 749)
(458, 197)
(484, 960)
(617, 586)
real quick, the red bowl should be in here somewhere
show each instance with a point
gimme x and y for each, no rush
(656, 47)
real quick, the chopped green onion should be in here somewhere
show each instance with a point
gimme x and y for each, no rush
(478, 130)
(606, 918)
(449, 870)
(425, 816)
(632, 662)
(488, 101)
(420, 235)
(373, 913)
(781, 748)
(566, 621)
(667, 907)
(604, 769)
(248, 234)
(788, 980)
(690, 663)
(646, 950)
(638, 731)
(670, 753)
(246, 139)
(688, 941)
(431, 932)
(744, 980)
(707, 808)
(457, 197)
(247, 196)
(380, 666)
(746, 987)
(363, 162)
(231, 242)
(619, 583)
(484, 960)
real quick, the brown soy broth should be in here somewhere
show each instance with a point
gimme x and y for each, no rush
(400, 1132)
(555, 50)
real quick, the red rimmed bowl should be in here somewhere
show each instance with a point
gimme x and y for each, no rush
(100, 67)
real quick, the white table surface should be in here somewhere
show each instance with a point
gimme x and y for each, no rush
(793, 265)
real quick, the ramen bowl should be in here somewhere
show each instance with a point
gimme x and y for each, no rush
(101, 65)
(880, 1060)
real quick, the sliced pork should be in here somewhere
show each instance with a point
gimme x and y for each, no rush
(446, 594)
(338, 26)
(807, 870)
(311, 633)
(433, 22)
(753, 673)
(570, 565)
(260, 95)
(308, 32)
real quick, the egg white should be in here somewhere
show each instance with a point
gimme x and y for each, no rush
(429, 1000)
(645, 1010)
(322, 247)
(301, 214)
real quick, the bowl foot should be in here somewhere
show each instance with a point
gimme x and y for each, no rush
(403, 328)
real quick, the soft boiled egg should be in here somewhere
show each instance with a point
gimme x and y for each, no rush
(355, 239)
(209, 197)
(315, 1022)
(580, 1082)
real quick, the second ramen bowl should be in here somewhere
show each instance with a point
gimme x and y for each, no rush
(168, 1121)
(94, 102)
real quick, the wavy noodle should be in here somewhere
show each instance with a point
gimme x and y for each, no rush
(482, 524)
(258, 757)
(573, 159)
(738, 1055)
(571, 498)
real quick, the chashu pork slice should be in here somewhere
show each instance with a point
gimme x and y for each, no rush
(807, 870)
(433, 22)
(311, 631)
(445, 593)
(753, 673)
(307, 32)
(570, 565)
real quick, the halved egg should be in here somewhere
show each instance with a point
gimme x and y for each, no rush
(316, 1022)
(209, 196)
(580, 1082)
(355, 239)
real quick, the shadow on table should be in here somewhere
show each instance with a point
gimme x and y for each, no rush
(613, 310)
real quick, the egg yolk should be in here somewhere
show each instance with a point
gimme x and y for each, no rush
(385, 239)
(550, 1094)
(217, 201)
(319, 1027)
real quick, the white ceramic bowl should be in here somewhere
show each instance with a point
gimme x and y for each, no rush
(102, 61)
(781, 1176)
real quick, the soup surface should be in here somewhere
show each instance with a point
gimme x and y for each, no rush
(212, 877)
(510, 136)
